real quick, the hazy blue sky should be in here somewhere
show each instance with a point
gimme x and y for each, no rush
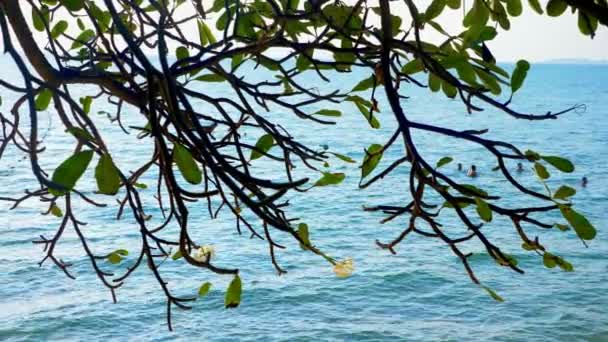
(532, 36)
(540, 38)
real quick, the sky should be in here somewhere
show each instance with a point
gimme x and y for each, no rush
(532, 37)
(542, 38)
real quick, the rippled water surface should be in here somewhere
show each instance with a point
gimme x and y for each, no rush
(422, 293)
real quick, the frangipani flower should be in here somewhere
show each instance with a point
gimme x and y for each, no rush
(344, 268)
(204, 253)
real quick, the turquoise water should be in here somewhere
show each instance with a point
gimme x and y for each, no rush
(422, 293)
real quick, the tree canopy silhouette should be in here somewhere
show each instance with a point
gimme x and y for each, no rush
(140, 56)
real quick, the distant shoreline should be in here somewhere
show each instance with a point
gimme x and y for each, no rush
(566, 61)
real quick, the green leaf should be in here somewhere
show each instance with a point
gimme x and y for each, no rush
(559, 163)
(330, 179)
(564, 265)
(519, 74)
(114, 258)
(514, 8)
(583, 228)
(204, 289)
(434, 82)
(365, 84)
(535, 4)
(344, 17)
(211, 78)
(236, 60)
(448, 89)
(263, 145)
(210, 37)
(489, 80)
(205, 34)
(562, 227)
(80, 24)
(186, 164)
(222, 21)
(218, 5)
(549, 260)
(263, 8)
(527, 246)
(453, 4)
(413, 67)
(434, 9)
(122, 252)
(541, 171)
(202, 36)
(466, 72)
(233, 294)
(443, 161)
(555, 8)
(460, 205)
(563, 192)
(303, 61)
(478, 15)
(493, 294)
(508, 260)
(182, 53)
(43, 99)
(176, 255)
(343, 157)
(288, 89)
(40, 17)
(83, 38)
(268, 63)
(245, 25)
(295, 28)
(289, 5)
(368, 114)
(107, 176)
(68, 173)
(103, 18)
(531, 155)
(487, 33)
(56, 211)
(587, 24)
(373, 155)
(86, 103)
(492, 67)
(396, 24)
(73, 5)
(140, 185)
(103, 65)
(453, 60)
(483, 209)
(329, 112)
(304, 236)
(500, 15)
(474, 190)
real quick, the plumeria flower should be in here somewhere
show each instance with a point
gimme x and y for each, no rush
(344, 268)
(204, 253)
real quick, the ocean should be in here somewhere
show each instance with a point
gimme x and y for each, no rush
(421, 294)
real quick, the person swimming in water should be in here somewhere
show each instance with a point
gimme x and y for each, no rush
(472, 171)
(520, 167)
(584, 182)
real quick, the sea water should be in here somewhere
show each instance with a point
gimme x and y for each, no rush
(422, 293)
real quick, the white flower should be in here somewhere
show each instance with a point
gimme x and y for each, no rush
(344, 268)
(204, 253)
